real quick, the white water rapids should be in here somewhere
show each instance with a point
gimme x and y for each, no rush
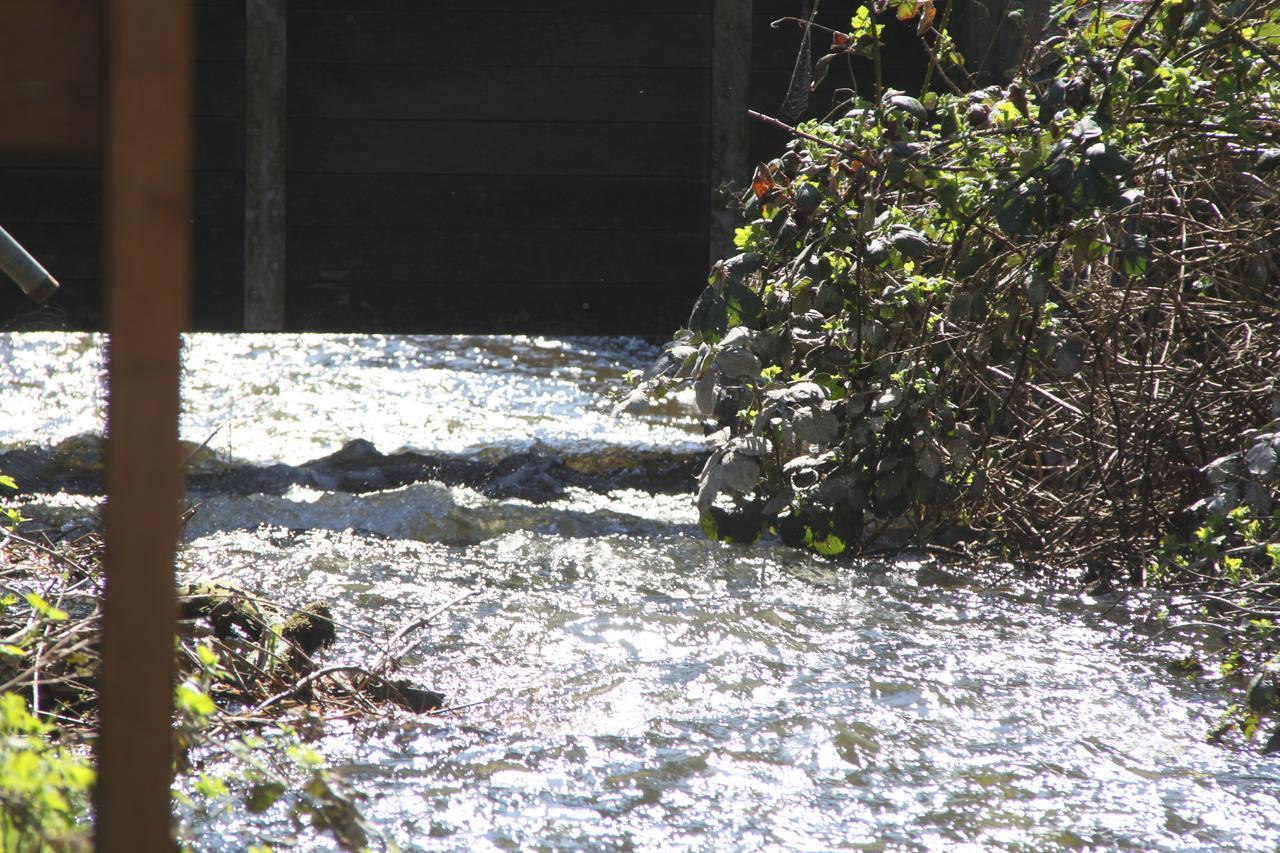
(637, 686)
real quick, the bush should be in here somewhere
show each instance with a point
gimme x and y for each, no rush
(44, 788)
(1025, 317)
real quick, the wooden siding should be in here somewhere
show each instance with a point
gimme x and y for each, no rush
(496, 166)
(453, 165)
(51, 201)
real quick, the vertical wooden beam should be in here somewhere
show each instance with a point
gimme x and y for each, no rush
(266, 59)
(147, 205)
(730, 136)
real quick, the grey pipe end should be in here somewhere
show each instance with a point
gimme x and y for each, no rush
(43, 289)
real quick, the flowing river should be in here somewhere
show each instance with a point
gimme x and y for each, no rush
(629, 684)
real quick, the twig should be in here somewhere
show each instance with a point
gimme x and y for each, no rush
(1048, 395)
(52, 552)
(309, 679)
(452, 708)
(778, 123)
(390, 653)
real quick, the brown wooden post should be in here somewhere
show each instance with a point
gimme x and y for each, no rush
(147, 249)
(730, 137)
(264, 164)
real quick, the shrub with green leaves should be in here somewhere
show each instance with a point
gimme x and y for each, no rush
(44, 788)
(1025, 316)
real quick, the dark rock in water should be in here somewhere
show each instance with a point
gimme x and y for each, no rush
(227, 609)
(539, 474)
(529, 476)
(1273, 743)
(357, 467)
(73, 465)
(308, 630)
(407, 696)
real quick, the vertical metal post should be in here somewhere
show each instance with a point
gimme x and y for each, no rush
(730, 136)
(266, 61)
(147, 203)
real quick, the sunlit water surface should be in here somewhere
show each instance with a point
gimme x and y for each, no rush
(639, 687)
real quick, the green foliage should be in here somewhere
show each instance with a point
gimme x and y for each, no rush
(286, 775)
(48, 656)
(44, 788)
(985, 316)
(9, 516)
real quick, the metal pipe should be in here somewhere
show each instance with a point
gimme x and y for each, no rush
(34, 279)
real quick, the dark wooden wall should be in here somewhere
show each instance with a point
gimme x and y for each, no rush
(453, 165)
(51, 200)
(489, 165)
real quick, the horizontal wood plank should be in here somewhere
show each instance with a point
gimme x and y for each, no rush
(534, 202)
(74, 197)
(496, 148)
(218, 33)
(628, 7)
(219, 144)
(335, 255)
(471, 39)
(74, 251)
(649, 309)
(48, 196)
(458, 165)
(219, 90)
(498, 93)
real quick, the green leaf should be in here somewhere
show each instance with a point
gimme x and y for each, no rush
(6, 480)
(208, 657)
(1108, 160)
(740, 266)
(263, 796)
(710, 316)
(305, 756)
(1086, 129)
(743, 307)
(828, 546)
(1014, 216)
(1262, 694)
(211, 787)
(722, 525)
(1273, 742)
(193, 701)
(897, 101)
(16, 719)
(1134, 255)
(807, 198)
(45, 609)
(1054, 97)
(909, 242)
(1058, 174)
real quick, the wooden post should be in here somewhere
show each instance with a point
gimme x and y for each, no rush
(148, 164)
(266, 60)
(730, 137)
